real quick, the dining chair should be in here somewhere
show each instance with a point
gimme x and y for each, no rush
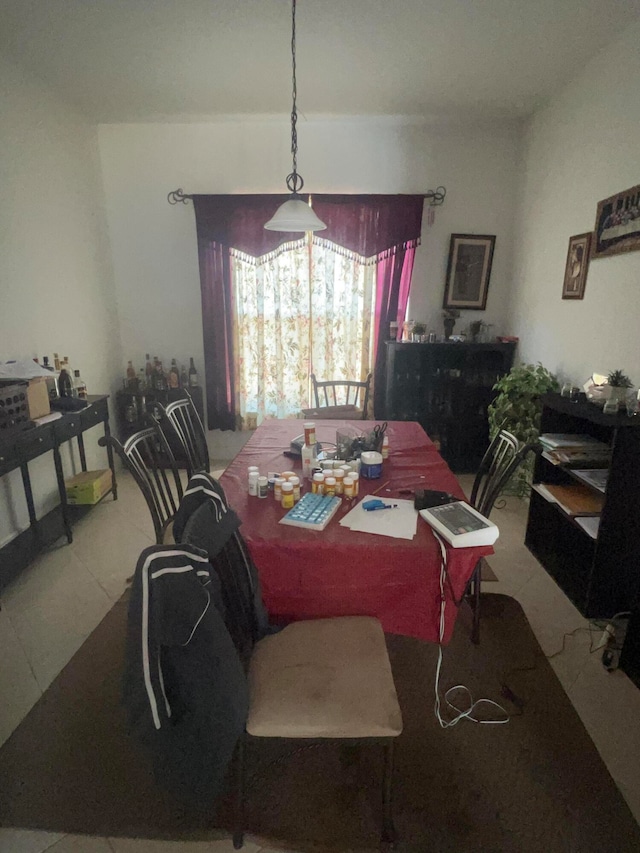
(313, 681)
(182, 418)
(339, 398)
(502, 458)
(147, 455)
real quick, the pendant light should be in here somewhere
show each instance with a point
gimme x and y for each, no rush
(295, 214)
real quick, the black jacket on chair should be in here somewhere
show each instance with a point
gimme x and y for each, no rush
(184, 685)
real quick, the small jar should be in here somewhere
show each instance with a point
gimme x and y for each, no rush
(253, 483)
(263, 487)
(356, 483)
(326, 465)
(338, 463)
(295, 482)
(317, 485)
(287, 495)
(371, 464)
(271, 483)
(349, 489)
(339, 478)
(346, 468)
(330, 486)
(287, 475)
(385, 447)
(252, 469)
(277, 488)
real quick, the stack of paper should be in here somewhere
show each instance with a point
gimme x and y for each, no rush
(399, 522)
(570, 448)
(574, 499)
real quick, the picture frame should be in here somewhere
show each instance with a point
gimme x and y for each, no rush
(575, 271)
(617, 227)
(468, 271)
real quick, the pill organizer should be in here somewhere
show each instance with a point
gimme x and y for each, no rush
(312, 511)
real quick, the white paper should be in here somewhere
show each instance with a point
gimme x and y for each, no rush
(22, 368)
(590, 523)
(45, 419)
(401, 522)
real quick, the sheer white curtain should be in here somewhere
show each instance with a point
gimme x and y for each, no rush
(308, 308)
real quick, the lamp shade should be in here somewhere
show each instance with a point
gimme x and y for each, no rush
(295, 215)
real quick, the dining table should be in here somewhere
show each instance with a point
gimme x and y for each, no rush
(307, 574)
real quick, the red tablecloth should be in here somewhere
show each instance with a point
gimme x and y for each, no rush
(337, 571)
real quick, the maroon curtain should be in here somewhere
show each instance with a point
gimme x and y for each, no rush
(383, 226)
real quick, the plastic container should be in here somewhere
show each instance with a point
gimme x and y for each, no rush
(287, 495)
(253, 483)
(349, 489)
(277, 488)
(317, 485)
(295, 482)
(385, 447)
(263, 487)
(371, 464)
(330, 486)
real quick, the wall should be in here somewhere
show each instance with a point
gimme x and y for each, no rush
(57, 285)
(583, 147)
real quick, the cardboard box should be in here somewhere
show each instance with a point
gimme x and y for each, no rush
(38, 398)
(88, 486)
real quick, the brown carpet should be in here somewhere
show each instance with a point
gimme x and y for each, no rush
(536, 784)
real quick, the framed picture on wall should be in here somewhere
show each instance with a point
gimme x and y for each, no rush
(575, 271)
(468, 271)
(617, 227)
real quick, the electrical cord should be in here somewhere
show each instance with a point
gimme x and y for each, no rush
(469, 713)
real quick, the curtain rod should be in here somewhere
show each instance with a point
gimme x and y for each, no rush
(434, 197)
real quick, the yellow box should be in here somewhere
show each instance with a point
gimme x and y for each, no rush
(38, 398)
(88, 486)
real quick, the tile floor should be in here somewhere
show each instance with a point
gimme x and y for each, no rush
(53, 606)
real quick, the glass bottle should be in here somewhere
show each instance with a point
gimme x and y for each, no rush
(79, 386)
(193, 374)
(309, 456)
(148, 370)
(174, 375)
(184, 377)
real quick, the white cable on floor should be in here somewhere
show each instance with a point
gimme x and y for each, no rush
(460, 714)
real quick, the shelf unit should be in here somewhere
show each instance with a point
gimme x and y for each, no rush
(601, 574)
(447, 387)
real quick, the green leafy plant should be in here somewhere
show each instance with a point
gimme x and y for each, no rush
(517, 408)
(419, 329)
(619, 379)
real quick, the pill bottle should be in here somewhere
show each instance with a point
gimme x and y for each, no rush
(287, 495)
(339, 478)
(287, 475)
(356, 483)
(330, 486)
(385, 447)
(295, 482)
(253, 483)
(349, 491)
(277, 488)
(263, 487)
(317, 486)
(309, 433)
(252, 469)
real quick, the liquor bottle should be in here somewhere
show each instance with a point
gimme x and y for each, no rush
(79, 386)
(65, 385)
(174, 375)
(148, 371)
(142, 380)
(160, 384)
(131, 375)
(45, 362)
(56, 362)
(184, 377)
(193, 374)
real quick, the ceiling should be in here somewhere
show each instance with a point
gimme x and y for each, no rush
(144, 60)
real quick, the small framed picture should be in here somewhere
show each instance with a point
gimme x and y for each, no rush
(575, 273)
(468, 271)
(617, 227)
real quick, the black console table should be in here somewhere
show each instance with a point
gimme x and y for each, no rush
(24, 447)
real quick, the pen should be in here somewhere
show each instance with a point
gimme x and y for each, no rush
(384, 506)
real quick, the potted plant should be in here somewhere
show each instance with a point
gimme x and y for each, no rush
(475, 327)
(450, 316)
(518, 408)
(418, 332)
(618, 382)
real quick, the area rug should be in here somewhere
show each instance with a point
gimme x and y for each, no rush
(536, 784)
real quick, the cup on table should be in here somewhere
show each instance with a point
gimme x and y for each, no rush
(631, 402)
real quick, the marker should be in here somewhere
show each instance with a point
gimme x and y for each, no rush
(371, 506)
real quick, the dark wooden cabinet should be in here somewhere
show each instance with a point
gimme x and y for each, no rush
(446, 387)
(600, 574)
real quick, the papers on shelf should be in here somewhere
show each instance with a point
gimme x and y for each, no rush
(567, 439)
(590, 523)
(596, 477)
(23, 368)
(45, 419)
(399, 523)
(574, 499)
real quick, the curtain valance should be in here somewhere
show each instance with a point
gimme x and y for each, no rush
(368, 225)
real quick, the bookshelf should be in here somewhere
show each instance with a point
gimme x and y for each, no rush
(598, 569)
(446, 387)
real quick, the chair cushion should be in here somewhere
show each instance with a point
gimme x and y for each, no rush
(323, 678)
(333, 412)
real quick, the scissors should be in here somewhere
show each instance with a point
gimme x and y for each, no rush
(379, 430)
